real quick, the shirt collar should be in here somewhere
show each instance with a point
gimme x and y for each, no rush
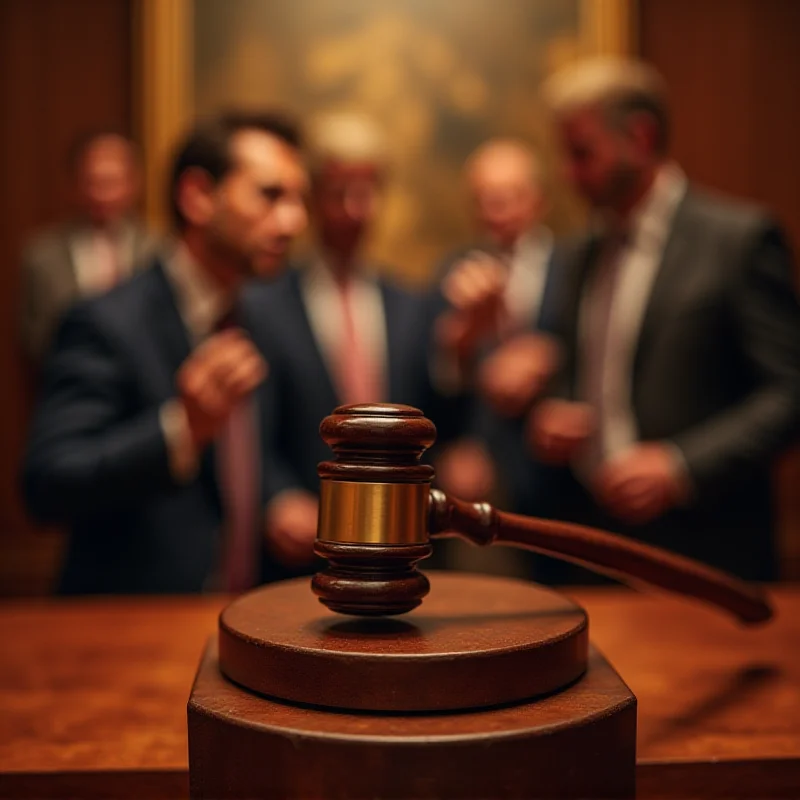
(201, 301)
(651, 219)
(319, 274)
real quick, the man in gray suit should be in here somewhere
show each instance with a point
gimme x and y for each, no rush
(103, 245)
(681, 333)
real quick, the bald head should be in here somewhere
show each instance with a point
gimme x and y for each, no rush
(504, 179)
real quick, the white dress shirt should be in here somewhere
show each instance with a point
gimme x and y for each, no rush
(527, 276)
(640, 259)
(102, 258)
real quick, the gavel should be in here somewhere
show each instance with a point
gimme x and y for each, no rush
(378, 514)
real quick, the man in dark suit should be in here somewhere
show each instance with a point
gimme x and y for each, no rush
(339, 331)
(681, 334)
(105, 243)
(507, 276)
(145, 442)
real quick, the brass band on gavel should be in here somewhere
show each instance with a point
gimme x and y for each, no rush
(373, 513)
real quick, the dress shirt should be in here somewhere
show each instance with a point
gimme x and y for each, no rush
(527, 275)
(640, 259)
(321, 297)
(102, 258)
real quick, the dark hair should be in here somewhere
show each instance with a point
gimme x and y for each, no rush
(84, 140)
(207, 146)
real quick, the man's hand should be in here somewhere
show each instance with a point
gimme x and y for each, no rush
(214, 378)
(465, 469)
(517, 372)
(291, 527)
(474, 289)
(558, 429)
(642, 483)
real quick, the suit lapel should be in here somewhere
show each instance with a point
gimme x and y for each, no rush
(70, 271)
(304, 338)
(170, 331)
(396, 333)
(668, 281)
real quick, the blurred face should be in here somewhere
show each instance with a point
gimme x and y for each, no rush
(107, 180)
(506, 204)
(603, 163)
(255, 212)
(345, 199)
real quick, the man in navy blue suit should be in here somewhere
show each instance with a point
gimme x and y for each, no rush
(507, 279)
(339, 331)
(145, 444)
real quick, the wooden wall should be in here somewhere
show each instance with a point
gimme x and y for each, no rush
(66, 67)
(733, 69)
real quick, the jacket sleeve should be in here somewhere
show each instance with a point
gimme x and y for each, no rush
(88, 451)
(764, 306)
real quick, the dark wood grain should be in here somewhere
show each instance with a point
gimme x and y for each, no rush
(382, 443)
(612, 554)
(94, 693)
(578, 743)
(478, 641)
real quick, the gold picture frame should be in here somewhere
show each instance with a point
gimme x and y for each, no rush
(163, 74)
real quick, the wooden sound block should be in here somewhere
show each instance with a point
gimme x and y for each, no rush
(577, 743)
(488, 690)
(477, 641)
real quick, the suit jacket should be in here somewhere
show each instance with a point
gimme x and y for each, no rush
(304, 390)
(716, 374)
(97, 460)
(50, 283)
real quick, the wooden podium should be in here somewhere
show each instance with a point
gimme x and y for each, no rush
(490, 690)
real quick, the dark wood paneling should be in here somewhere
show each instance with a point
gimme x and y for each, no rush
(66, 67)
(733, 68)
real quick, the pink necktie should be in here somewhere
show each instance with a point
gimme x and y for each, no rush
(239, 464)
(357, 372)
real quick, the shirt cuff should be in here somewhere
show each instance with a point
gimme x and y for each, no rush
(184, 459)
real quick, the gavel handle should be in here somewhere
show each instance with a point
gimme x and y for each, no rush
(617, 556)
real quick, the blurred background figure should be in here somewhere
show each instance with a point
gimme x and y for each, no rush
(506, 279)
(102, 245)
(340, 332)
(681, 333)
(145, 444)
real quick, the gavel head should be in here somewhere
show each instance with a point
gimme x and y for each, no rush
(373, 519)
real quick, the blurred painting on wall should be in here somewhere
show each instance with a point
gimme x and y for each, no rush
(439, 77)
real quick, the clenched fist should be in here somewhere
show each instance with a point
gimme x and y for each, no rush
(292, 526)
(474, 289)
(517, 372)
(558, 429)
(225, 368)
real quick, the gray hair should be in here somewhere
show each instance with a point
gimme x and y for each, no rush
(618, 86)
(344, 137)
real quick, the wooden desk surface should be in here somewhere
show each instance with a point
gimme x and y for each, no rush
(93, 693)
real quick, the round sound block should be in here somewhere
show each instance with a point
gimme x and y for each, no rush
(477, 641)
